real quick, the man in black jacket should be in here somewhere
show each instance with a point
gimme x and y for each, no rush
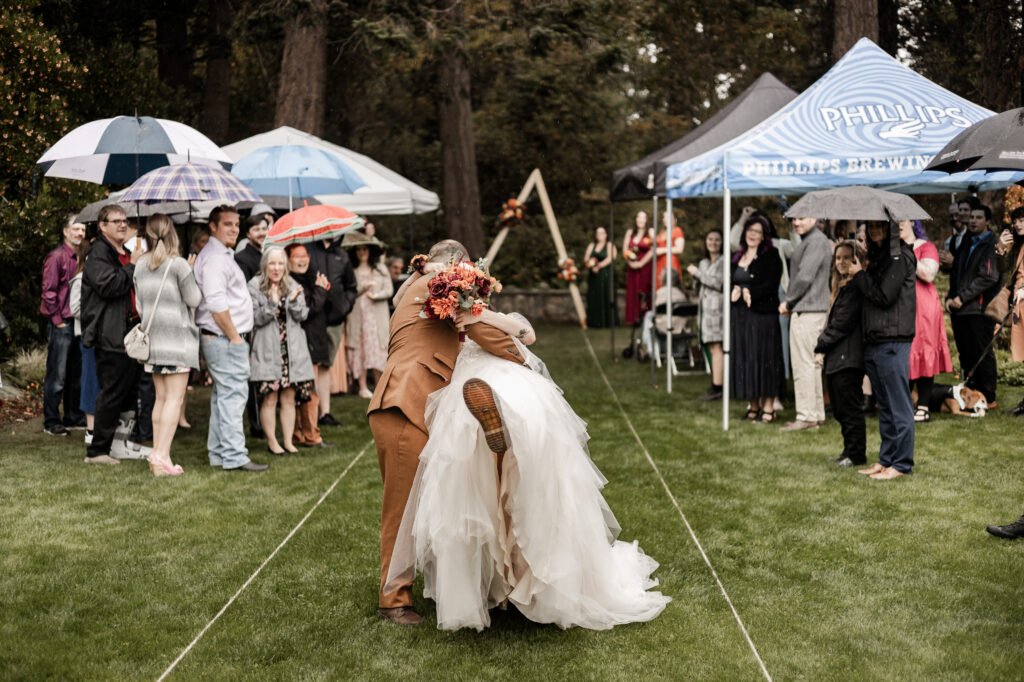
(329, 258)
(973, 282)
(108, 312)
(889, 322)
(256, 228)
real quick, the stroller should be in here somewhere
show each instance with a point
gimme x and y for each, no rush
(660, 324)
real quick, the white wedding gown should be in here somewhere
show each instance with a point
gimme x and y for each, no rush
(550, 546)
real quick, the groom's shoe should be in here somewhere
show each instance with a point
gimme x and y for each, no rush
(480, 401)
(402, 615)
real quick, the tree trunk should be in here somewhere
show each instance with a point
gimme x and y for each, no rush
(174, 58)
(302, 84)
(215, 120)
(1000, 54)
(888, 25)
(854, 19)
(458, 151)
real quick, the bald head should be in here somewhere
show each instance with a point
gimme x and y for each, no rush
(447, 251)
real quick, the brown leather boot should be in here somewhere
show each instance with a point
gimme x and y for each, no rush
(480, 401)
(401, 615)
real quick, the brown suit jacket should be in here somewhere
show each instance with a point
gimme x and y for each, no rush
(421, 355)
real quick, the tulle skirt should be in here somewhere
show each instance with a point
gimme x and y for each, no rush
(545, 540)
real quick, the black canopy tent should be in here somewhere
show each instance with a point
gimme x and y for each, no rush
(645, 178)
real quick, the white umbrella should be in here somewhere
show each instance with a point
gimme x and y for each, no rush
(123, 149)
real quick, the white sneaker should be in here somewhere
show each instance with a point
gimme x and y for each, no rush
(88, 437)
(126, 449)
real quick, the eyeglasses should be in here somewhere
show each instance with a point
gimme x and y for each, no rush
(122, 221)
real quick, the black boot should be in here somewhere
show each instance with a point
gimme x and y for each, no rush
(1017, 411)
(1009, 532)
(714, 393)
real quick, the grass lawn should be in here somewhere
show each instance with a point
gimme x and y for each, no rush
(109, 573)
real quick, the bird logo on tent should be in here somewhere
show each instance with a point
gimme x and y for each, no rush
(903, 131)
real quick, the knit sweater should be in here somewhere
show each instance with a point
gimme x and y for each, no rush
(808, 290)
(174, 337)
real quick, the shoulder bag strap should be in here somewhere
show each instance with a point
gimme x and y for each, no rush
(156, 303)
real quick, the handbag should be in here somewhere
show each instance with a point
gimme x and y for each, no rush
(136, 341)
(999, 307)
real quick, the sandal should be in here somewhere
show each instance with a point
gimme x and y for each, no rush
(922, 415)
(767, 417)
(751, 415)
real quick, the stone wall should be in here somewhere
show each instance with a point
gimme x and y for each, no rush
(544, 305)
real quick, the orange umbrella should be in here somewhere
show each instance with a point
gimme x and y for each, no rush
(312, 223)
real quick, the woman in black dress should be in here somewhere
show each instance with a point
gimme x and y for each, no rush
(757, 372)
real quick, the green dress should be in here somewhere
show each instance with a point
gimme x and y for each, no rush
(599, 311)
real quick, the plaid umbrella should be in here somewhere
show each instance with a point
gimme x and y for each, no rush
(189, 182)
(311, 223)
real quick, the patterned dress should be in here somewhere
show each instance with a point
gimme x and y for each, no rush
(370, 352)
(303, 389)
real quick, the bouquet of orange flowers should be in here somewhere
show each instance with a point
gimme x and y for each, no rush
(462, 286)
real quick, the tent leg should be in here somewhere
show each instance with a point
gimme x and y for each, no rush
(670, 223)
(727, 308)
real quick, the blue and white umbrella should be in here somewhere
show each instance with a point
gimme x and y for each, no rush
(123, 149)
(297, 171)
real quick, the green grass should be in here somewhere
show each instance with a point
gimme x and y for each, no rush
(108, 573)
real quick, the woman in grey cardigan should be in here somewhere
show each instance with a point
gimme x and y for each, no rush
(279, 362)
(173, 335)
(709, 276)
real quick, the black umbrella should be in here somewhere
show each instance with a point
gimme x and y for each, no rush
(996, 143)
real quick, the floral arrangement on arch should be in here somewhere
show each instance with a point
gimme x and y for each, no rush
(460, 286)
(569, 272)
(511, 213)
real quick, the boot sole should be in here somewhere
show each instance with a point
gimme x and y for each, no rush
(479, 399)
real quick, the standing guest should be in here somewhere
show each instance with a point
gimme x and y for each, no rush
(758, 373)
(63, 359)
(709, 276)
(959, 225)
(315, 287)
(636, 249)
(396, 266)
(600, 259)
(89, 384)
(199, 239)
(929, 352)
(1010, 250)
(223, 316)
(807, 299)
(167, 294)
(331, 259)
(108, 312)
(143, 430)
(281, 368)
(248, 258)
(678, 241)
(843, 347)
(256, 228)
(973, 283)
(889, 319)
(366, 328)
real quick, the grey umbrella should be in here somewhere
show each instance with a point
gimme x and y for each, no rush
(996, 143)
(857, 203)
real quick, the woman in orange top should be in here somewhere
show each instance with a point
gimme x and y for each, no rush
(678, 241)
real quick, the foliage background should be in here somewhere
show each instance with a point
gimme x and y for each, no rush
(574, 87)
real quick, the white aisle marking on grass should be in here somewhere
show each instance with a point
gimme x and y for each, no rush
(265, 562)
(679, 509)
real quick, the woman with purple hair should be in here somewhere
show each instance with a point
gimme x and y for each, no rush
(758, 372)
(929, 352)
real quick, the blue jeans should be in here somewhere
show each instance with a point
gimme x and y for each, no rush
(63, 366)
(229, 368)
(888, 367)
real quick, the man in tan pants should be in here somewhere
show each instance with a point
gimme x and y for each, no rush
(421, 358)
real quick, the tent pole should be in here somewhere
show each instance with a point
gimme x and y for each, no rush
(654, 280)
(669, 225)
(611, 247)
(727, 307)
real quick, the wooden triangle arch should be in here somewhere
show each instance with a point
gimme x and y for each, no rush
(535, 181)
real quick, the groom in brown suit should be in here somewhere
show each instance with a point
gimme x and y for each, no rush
(421, 357)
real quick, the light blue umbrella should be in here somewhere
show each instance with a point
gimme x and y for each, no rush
(296, 171)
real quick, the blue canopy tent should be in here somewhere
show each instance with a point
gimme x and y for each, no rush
(868, 121)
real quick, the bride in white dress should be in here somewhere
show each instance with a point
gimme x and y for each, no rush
(543, 538)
